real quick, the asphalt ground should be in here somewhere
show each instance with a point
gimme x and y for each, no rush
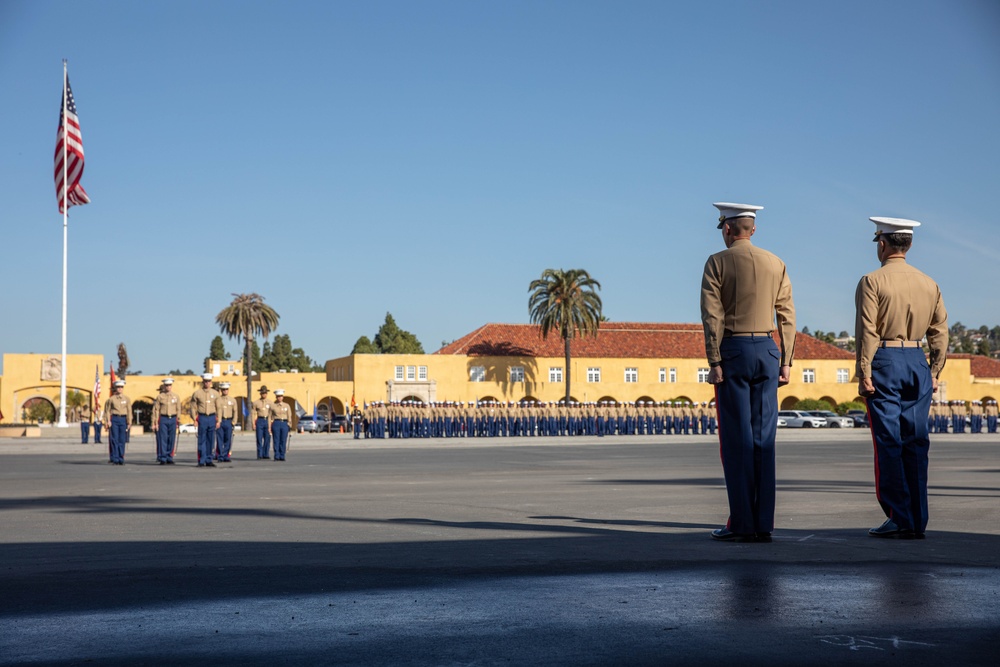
(520, 551)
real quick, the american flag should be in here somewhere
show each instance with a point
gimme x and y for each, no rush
(74, 154)
(97, 388)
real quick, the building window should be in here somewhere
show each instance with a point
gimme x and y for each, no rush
(673, 376)
(631, 375)
(843, 376)
(422, 373)
(663, 375)
(593, 375)
(411, 373)
(477, 374)
(702, 375)
(809, 375)
(555, 374)
(517, 373)
(399, 373)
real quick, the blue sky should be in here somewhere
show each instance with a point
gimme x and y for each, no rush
(430, 159)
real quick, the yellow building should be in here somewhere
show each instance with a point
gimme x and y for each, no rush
(504, 362)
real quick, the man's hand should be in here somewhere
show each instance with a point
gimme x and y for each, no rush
(934, 384)
(784, 375)
(715, 375)
(865, 387)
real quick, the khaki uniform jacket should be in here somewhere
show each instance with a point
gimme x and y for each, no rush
(118, 405)
(742, 289)
(166, 404)
(203, 402)
(261, 408)
(84, 412)
(899, 302)
(225, 407)
(280, 411)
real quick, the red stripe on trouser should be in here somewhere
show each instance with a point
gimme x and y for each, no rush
(718, 420)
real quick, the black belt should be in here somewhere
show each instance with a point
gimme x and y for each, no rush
(741, 334)
(281, 420)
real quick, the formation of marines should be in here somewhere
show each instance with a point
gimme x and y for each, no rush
(491, 419)
(959, 414)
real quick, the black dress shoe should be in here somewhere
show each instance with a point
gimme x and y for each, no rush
(891, 530)
(162, 463)
(170, 462)
(209, 465)
(763, 537)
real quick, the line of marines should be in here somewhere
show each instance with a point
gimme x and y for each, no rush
(958, 414)
(488, 419)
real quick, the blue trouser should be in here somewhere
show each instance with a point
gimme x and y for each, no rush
(97, 432)
(206, 438)
(117, 437)
(84, 432)
(166, 436)
(263, 438)
(898, 414)
(223, 440)
(711, 425)
(991, 424)
(704, 424)
(279, 429)
(748, 415)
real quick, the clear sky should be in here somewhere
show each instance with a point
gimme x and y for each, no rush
(431, 158)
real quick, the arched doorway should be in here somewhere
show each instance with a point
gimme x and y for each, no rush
(37, 410)
(142, 413)
(789, 402)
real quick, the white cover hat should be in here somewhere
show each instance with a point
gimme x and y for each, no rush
(893, 226)
(729, 210)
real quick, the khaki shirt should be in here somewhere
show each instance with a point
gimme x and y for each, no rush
(280, 411)
(261, 408)
(225, 407)
(166, 404)
(742, 289)
(118, 406)
(899, 302)
(203, 402)
(84, 412)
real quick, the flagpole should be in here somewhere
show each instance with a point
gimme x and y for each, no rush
(62, 382)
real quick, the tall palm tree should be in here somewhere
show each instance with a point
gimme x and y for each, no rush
(565, 302)
(247, 317)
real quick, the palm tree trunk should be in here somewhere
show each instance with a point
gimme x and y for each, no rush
(567, 339)
(249, 398)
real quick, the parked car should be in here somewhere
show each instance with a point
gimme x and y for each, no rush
(310, 424)
(782, 423)
(801, 419)
(860, 418)
(336, 423)
(833, 420)
(188, 428)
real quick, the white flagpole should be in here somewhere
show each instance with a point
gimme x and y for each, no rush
(62, 382)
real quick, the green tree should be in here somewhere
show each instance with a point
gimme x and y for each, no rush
(389, 339)
(281, 355)
(812, 404)
(365, 346)
(178, 371)
(40, 410)
(565, 302)
(74, 401)
(217, 350)
(984, 347)
(247, 317)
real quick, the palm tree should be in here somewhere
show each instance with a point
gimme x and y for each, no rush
(566, 302)
(247, 317)
(74, 401)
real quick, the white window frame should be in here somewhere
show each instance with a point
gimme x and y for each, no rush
(703, 375)
(422, 373)
(843, 376)
(400, 370)
(593, 374)
(517, 373)
(411, 373)
(663, 375)
(555, 373)
(477, 374)
(808, 376)
(673, 376)
(631, 375)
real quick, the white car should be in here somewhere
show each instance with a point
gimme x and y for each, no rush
(187, 428)
(833, 420)
(801, 419)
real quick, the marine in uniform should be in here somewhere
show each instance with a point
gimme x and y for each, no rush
(280, 415)
(118, 420)
(166, 410)
(203, 413)
(225, 412)
(743, 288)
(84, 413)
(991, 416)
(261, 410)
(897, 306)
(98, 420)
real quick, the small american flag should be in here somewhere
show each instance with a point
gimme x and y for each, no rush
(69, 135)
(97, 388)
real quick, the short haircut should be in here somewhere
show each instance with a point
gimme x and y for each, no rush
(897, 241)
(740, 226)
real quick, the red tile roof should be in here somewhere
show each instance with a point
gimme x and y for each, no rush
(980, 366)
(620, 340)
